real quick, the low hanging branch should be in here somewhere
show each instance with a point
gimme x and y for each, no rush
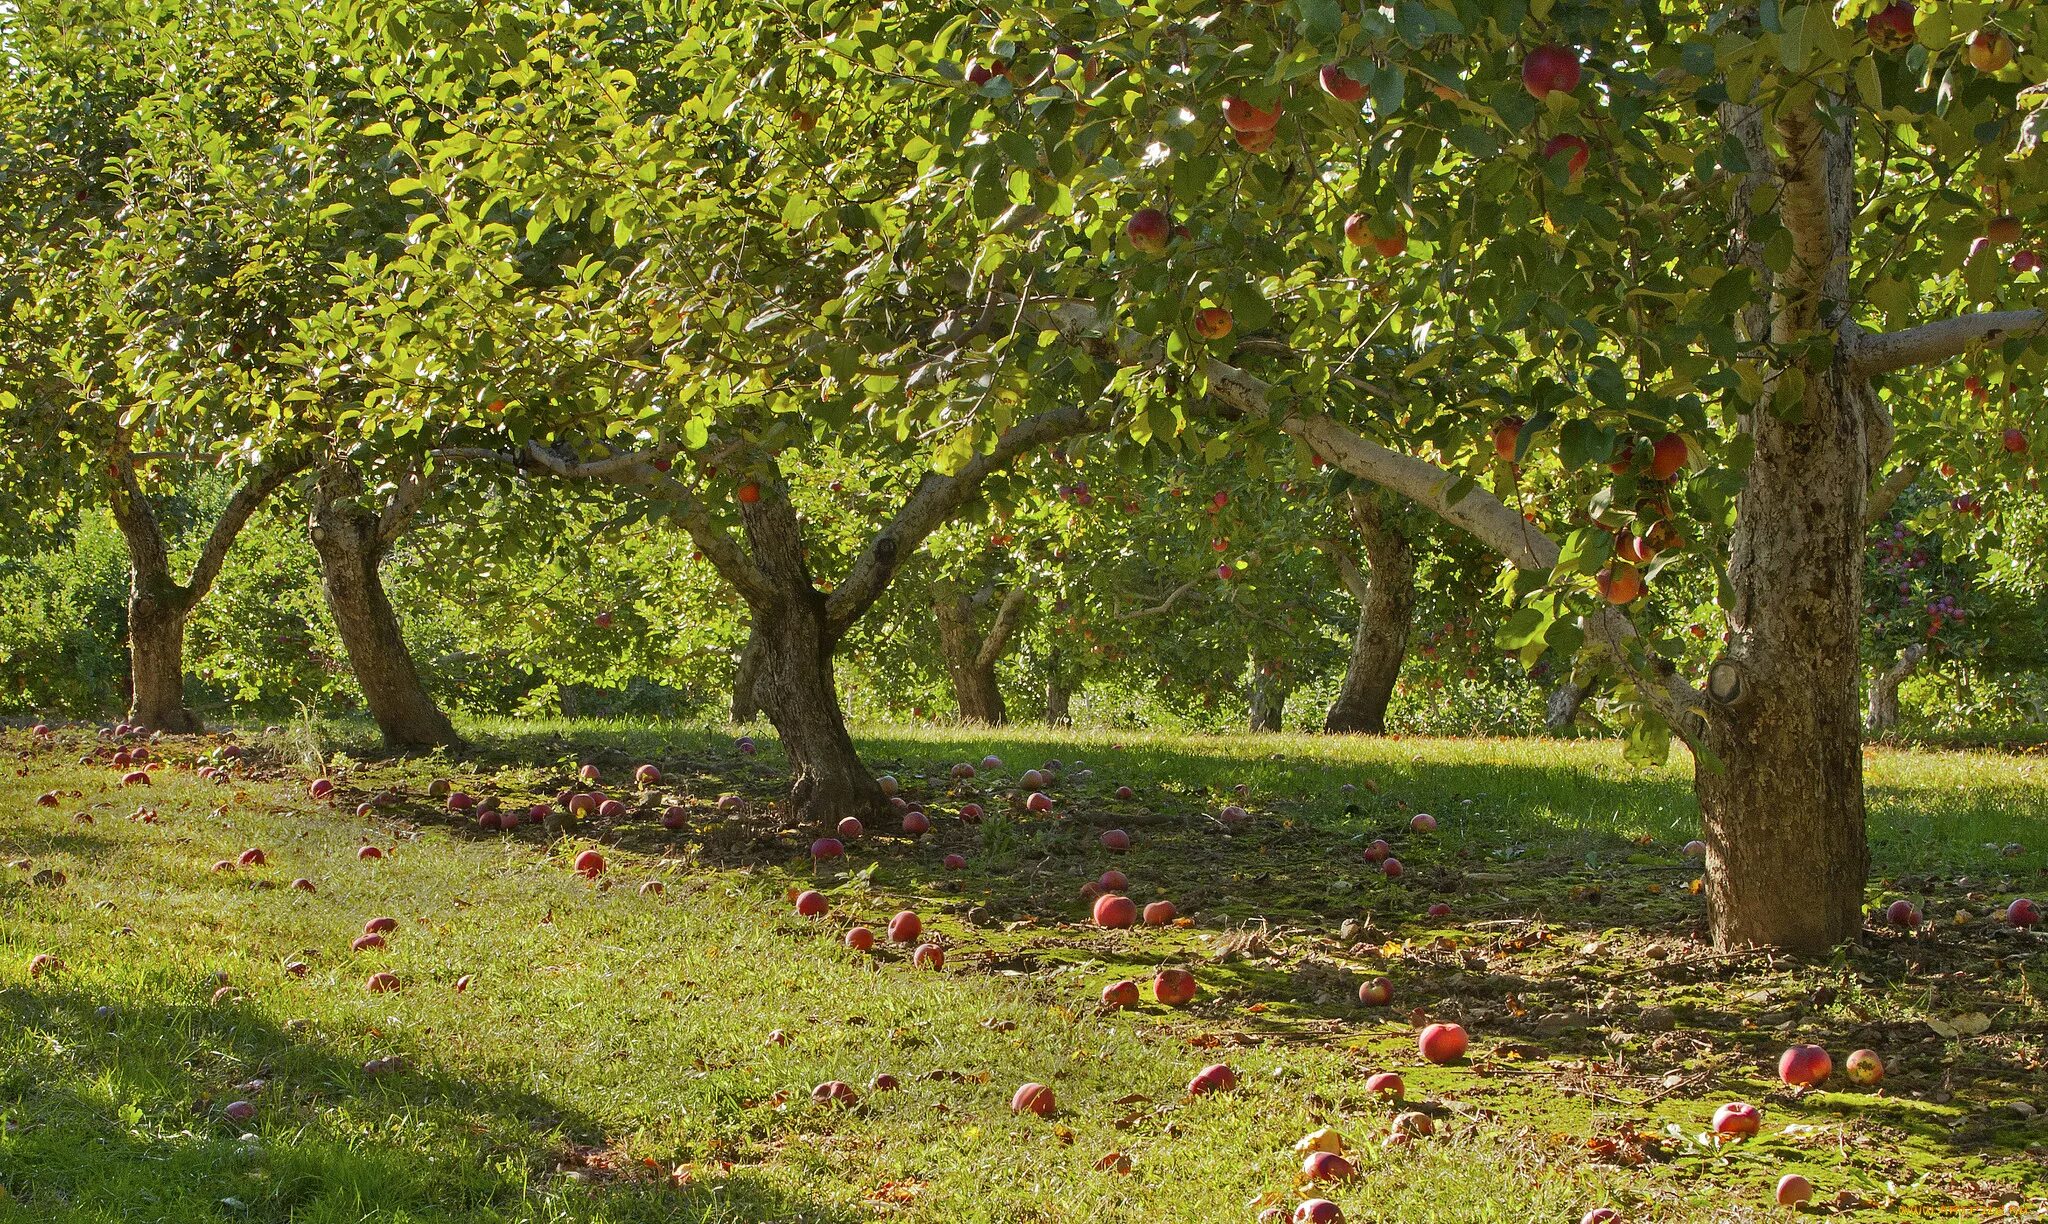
(1875, 353)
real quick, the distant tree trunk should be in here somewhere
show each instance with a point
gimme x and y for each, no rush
(746, 707)
(1270, 690)
(1386, 608)
(352, 539)
(1059, 693)
(1883, 714)
(794, 684)
(1564, 704)
(971, 655)
(158, 605)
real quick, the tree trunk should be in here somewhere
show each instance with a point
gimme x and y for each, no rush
(1562, 708)
(1386, 608)
(1883, 714)
(1270, 690)
(971, 656)
(746, 706)
(1059, 694)
(156, 660)
(351, 540)
(1781, 792)
(794, 684)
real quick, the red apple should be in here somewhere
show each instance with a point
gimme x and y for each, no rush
(979, 73)
(366, 943)
(1392, 244)
(2015, 442)
(611, 809)
(303, 884)
(1173, 987)
(1213, 323)
(905, 927)
(1216, 1077)
(1323, 1167)
(1667, 457)
(1737, 1118)
(1122, 993)
(1803, 1066)
(1392, 869)
(1903, 914)
(1422, 822)
(647, 776)
(1159, 913)
(1386, 1084)
(970, 813)
(1439, 910)
(835, 1092)
(1442, 1043)
(1620, 583)
(1115, 840)
(319, 788)
(1113, 881)
(2022, 913)
(590, 864)
(860, 939)
(810, 903)
(1601, 1215)
(884, 1082)
(1318, 1211)
(1376, 992)
(652, 888)
(251, 857)
(1033, 1099)
(675, 816)
(1340, 85)
(1863, 1067)
(1242, 116)
(368, 853)
(1892, 28)
(1550, 68)
(1695, 849)
(954, 862)
(1793, 1190)
(2026, 261)
(1115, 911)
(1507, 433)
(1573, 148)
(827, 848)
(916, 824)
(379, 983)
(1377, 852)
(43, 962)
(380, 925)
(1148, 230)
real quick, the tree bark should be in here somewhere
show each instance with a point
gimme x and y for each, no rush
(1386, 609)
(971, 655)
(351, 540)
(1781, 796)
(746, 706)
(1883, 713)
(1270, 691)
(1059, 693)
(1562, 708)
(158, 605)
(794, 684)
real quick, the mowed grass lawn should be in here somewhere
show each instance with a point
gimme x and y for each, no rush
(620, 1054)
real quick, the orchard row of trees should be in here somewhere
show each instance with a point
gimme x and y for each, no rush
(1622, 292)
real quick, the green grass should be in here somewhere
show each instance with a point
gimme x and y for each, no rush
(609, 1060)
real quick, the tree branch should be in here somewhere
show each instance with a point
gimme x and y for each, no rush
(933, 502)
(264, 481)
(1008, 615)
(1887, 492)
(1347, 567)
(400, 508)
(1162, 608)
(1878, 353)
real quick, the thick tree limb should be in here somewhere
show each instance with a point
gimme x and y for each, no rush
(1347, 567)
(1878, 353)
(934, 502)
(1008, 616)
(401, 506)
(1887, 493)
(1163, 607)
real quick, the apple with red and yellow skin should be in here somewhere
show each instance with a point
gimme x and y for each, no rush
(1255, 142)
(1173, 987)
(1122, 993)
(1634, 549)
(1550, 69)
(1213, 323)
(811, 903)
(1737, 1118)
(1892, 27)
(1376, 992)
(1318, 1211)
(1572, 147)
(1793, 1190)
(1507, 433)
(1864, 1067)
(860, 939)
(1340, 84)
(589, 864)
(905, 927)
(1216, 1077)
(1149, 230)
(1989, 50)
(1442, 1043)
(1667, 457)
(1034, 1099)
(1620, 584)
(1159, 913)
(1386, 1084)
(929, 956)
(1244, 116)
(1804, 1066)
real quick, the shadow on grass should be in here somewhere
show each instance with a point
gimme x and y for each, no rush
(124, 1118)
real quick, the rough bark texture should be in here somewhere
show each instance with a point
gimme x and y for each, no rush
(1059, 694)
(1883, 713)
(352, 539)
(1386, 608)
(971, 655)
(158, 604)
(1270, 691)
(1562, 708)
(746, 707)
(1783, 809)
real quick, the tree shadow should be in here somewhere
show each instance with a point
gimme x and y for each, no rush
(121, 1113)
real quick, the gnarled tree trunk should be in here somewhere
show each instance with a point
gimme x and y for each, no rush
(1059, 693)
(158, 605)
(1270, 691)
(1386, 608)
(1883, 712)
(352, 539)
(971, 655)
(794, 683)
